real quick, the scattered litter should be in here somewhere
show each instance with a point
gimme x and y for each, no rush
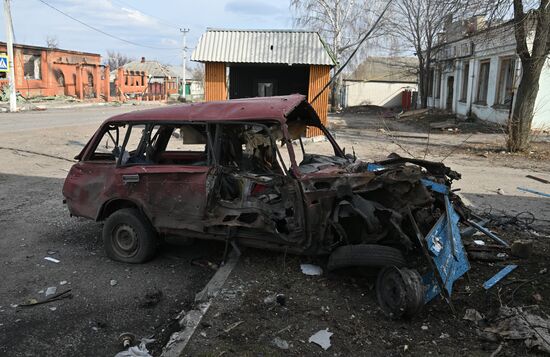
(543, 271)
(51, 296)
(310, 269)
(479, 242)
(424, 327)
(321, 338)
(53, 260)
(538, 179)
(444, 335)
(63, 282)
(281, 299)
(51, 291)
(502, 255)
(512, 323)
(204, 263)
(522, 248)
(280, 343)
(472, 315)
(137, 351)
(537, 297)
(113, 282)
(232, 326)
(14, 305)
(151, 299)
(126, 339)
(270, 299)
(499, 276)
(53, 308)
(500, 191)
(533, 191)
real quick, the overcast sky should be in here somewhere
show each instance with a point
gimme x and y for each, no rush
(149, 23)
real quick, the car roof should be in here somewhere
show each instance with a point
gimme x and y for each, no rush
(249, 109)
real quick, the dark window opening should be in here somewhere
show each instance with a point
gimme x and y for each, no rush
(31, 66)
(483, 82)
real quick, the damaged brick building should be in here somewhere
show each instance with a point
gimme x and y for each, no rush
(43, 71)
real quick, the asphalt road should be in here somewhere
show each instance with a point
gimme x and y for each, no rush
(35, 224)
(53, 118)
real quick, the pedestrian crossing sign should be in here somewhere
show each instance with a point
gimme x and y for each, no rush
(4, 63)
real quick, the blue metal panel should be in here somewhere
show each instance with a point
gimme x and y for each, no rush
(499, 276)
(374, 167)
(448, 254)
(434, 186)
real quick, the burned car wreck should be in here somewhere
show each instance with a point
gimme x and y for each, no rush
(238, 171)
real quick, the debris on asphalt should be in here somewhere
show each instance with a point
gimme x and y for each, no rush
(151, 298)
(500, 191)
(499, 276)
(524, 189)
(270, 299)
(537, 179)
(53, 260)
(472, 315)
(53, 308)
(113, 282)
(522, 248)
(321, 338)
(51, 291)
(63, 282)
(424, 327)
(310, 269)
(479, 242)
(200, 262)
(126, 339)
(137, 351)
(280, 343)
(50, 297)
(281, 299)
(232, 326)
(512, 323)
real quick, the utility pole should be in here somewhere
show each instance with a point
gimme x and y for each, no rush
(11, 57)
(184, 48)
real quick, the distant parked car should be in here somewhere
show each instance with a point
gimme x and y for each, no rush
(239, 170)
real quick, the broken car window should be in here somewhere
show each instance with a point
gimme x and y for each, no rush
(248, 147)
(179, 145)
(108, 147)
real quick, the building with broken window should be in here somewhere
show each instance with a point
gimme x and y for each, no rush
(476, 73)
(261, 63)
(43, 71)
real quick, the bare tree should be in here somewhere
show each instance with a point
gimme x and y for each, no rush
(52, 42)
(341, 22)
(116, 59)
(535, 23)
(417, 23)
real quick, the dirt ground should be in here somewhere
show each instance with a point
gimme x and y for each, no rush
(34, 224)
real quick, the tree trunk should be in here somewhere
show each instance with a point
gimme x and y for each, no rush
(519, 125)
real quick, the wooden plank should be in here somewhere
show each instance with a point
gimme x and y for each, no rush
(319, 76)
(215, 81)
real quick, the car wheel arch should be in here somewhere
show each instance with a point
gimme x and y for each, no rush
(115, 204)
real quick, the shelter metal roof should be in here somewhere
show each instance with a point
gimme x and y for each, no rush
(263, 46)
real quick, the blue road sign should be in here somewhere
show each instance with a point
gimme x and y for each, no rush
(4, 63)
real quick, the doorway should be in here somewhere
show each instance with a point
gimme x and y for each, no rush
(450, 87)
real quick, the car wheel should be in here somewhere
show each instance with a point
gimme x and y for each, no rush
(400, 292)
(365, 255)
(129, 237)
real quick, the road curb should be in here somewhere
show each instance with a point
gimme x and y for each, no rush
(191, 320)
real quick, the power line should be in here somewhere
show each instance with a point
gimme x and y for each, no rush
(101, 31)
(162, 21)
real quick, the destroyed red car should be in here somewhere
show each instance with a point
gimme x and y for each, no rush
(239, 171)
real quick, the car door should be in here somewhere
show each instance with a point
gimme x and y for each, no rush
(173, 170)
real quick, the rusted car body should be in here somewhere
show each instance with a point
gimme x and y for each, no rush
(236, 177)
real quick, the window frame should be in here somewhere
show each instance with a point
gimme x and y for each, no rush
(465, 83)
(501, 88)
(483, 82)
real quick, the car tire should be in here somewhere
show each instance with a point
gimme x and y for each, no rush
(129, 237)
(365, 255)
(400, 292)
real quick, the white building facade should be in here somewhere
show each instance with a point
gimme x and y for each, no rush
(478, 75)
